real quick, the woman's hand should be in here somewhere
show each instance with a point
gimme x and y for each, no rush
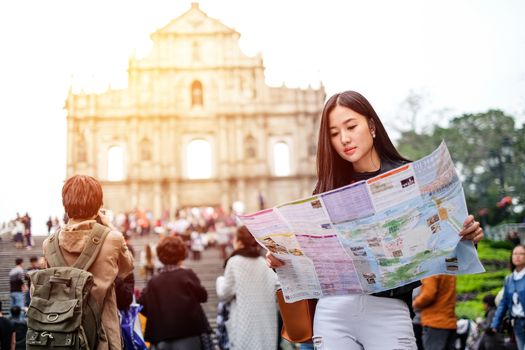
(472, 230)
(272, 261)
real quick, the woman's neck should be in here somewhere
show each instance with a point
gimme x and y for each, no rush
(370, 162)
(177, 264)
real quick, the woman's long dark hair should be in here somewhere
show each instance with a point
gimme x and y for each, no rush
(246, 238)
(250, 247)
(332, 170)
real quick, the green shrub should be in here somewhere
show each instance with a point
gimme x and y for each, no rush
(469, 309)
(472, 288)
(481, 283)
(497, 244)
(494, 251)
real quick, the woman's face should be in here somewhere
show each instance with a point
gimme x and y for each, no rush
(518, 257)
(351, 137)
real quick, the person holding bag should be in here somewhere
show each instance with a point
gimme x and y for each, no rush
(353, 145)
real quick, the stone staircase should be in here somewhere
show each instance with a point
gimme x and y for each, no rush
(8, 254)
(207, 269)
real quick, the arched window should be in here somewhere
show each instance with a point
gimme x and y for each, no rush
(195, 51)
(249, 147)
(199, 159)
(196, 94)
(281, 158)
(116, 163)
(145, 149)
(81, 150)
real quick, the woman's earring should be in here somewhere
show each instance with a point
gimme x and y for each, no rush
(373, 134)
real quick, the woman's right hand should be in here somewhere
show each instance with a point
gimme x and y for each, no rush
(272, 261)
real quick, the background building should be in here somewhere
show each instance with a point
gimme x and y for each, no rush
(196, 126)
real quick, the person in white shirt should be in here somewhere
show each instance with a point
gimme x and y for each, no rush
(250, 287)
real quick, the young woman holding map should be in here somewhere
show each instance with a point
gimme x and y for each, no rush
(353, 145)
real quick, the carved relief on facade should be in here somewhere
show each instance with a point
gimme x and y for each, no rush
(250, 148)
(145, 149)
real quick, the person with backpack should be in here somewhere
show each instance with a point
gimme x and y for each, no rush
(86, 253)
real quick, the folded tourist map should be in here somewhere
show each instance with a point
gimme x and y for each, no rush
(373, 235)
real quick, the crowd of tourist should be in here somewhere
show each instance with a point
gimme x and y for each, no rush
(198, 227)
(353, 146)
(112, 268)
(246, 291)
(13, 329)
(19, 231)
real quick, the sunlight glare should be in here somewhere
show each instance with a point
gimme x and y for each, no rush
(281, 155)
(116, 164)
(199, 159)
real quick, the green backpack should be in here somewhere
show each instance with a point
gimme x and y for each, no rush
(62, 312)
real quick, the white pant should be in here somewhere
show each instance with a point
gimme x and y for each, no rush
(357, 322)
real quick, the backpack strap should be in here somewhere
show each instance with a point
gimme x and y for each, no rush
(93, 246)
(54, 255)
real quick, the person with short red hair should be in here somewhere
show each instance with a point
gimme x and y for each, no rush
(82, 197)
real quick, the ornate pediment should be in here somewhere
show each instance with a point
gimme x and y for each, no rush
(194, 22)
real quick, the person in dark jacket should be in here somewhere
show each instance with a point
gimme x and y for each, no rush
(171, 302)
(20, 327)
(125, 287)
(124, 291)
(7, 333)
(490, 340)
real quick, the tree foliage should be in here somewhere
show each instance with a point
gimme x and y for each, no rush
(489, 153)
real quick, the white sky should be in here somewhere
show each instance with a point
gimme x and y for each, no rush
(465, 56)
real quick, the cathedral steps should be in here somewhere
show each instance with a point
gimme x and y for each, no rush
(207, 269)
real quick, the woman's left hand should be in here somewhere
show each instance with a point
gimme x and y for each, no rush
(472, 230)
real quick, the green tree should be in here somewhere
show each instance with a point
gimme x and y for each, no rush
(489, 154)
